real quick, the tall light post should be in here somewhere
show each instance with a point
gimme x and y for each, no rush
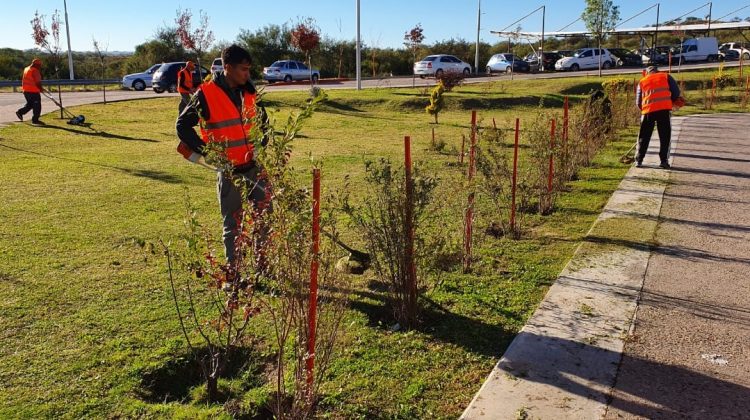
(479, 24)
(67, 32)
(359, 53)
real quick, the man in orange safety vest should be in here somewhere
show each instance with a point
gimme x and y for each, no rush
(655, 98)
(31, 85)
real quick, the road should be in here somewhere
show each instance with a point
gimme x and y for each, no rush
(10, 102)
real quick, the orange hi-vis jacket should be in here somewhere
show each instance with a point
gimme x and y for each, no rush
(226, 125)
(184, 77)
(656, 93)
(32, 79)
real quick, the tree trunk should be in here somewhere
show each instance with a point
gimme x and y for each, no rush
(212, 388)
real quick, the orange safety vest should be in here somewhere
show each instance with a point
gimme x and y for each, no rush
(187, 76)
(226, 125)
(655, 93)
(31, 80)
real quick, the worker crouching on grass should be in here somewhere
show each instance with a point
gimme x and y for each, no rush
(31, 85)
(656, 96)
(185, 84)
(225, 107)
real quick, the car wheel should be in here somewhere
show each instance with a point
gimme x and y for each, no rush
(288, 78)
(489, 71)
(467, 72)
(606, 65)
(746, 56)
(172, 88)
(439, 73)
(421, 76)
(139, 85)
(315, 78)
(509, 70)
(711, 58)
(157, 90)
(575, 67)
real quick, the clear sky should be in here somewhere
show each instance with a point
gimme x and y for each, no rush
(123, 25)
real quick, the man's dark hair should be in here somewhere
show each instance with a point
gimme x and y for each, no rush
(234, 54)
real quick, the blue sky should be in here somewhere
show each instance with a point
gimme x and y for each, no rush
(122, 25)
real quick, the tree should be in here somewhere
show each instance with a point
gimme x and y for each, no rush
(198, 40)
(40, 34)
(600, 17)
(413, 41)
(102, 55)
(306, 38)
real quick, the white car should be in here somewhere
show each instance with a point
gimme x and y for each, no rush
(586, 58)
(216, 65)
(140, 81)
(735, 46)
(436, 65)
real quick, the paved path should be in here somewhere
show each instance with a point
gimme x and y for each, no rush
(672, 247)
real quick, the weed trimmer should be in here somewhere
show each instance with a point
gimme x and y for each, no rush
(74, 119)
(626, 158)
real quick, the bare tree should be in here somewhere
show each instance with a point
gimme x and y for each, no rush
(41, 36)
(102, 55)
(199, 40)
(413, 41)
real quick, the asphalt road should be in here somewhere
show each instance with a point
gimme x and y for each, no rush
(10, 102)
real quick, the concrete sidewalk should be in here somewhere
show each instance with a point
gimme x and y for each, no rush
(565, 361)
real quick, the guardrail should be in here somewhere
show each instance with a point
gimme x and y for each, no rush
(62, 82)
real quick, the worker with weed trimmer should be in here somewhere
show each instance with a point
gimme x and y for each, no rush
(225, 107)
(185, 84)
(657, 94)
(31, 85)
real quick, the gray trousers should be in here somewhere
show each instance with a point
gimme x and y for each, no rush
(184, 100)
(230, 202)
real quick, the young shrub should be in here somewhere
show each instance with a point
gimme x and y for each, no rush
(436, 101)
(451, 79)
(381, 220)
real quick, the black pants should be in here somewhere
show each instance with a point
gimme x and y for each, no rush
(662, 120)
(184, 100)
(33, 102)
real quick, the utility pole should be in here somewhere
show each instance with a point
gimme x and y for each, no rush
(67, 31)
(601, 34)
(710, 7)
(359, 53)
(479, 23)
(656, 36)
(541, 47)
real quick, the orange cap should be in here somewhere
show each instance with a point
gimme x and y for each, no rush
(36, 62)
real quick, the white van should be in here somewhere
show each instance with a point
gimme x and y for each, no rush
(698, 49)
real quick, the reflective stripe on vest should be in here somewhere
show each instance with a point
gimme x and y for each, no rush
(187, 77)
(31, 78)
(225, 124)
(655, 92)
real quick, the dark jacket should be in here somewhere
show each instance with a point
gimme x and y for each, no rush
(197, 108)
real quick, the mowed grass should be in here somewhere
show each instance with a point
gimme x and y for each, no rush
(86, 314)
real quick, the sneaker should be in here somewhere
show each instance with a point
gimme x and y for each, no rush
(638, 163)
(19, 115)
(664, 165)
(37, 122)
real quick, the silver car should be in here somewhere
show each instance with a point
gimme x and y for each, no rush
(289, 70)
(140, 81)
(436, 65)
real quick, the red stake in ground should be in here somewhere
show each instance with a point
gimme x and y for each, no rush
(551, 173)
(411, 271)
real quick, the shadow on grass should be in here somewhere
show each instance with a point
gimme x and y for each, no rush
(173, 380)
(143, 173)
(95, 133)
(582, 89)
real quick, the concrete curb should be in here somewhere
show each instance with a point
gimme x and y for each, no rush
(564, 362)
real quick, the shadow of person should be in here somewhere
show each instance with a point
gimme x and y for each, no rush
(95, 133)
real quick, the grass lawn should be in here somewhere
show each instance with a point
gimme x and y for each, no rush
(86, 317)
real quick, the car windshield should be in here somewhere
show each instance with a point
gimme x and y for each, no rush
(578, 53)
(430, 58)
(153, 68)
(277, 64)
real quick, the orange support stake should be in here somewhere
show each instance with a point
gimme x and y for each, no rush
(463, 148)
(468, 232)
(515, 178)
(411, 271)
(314, 264)
(433, 137)
(551, 173)
(494, 124)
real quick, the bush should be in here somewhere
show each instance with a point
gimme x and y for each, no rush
(436, 101)
(451, 79)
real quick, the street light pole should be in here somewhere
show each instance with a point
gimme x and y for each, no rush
(479, 24)
(359, 53)
(67, 32)
(541, 47)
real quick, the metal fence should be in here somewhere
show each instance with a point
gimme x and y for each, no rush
(15, 84)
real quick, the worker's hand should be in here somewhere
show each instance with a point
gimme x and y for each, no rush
(678, 103)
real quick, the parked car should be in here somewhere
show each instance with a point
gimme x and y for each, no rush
(217, 65)
(289, 70)
(625, 58)
(548, 58)
(505, 63)
(436, 65)
(565, 53)
(139, 81)
(165, 78)
(659, 55)
(698, 49)
(586, 58)
(729, 55)
(735, 47)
